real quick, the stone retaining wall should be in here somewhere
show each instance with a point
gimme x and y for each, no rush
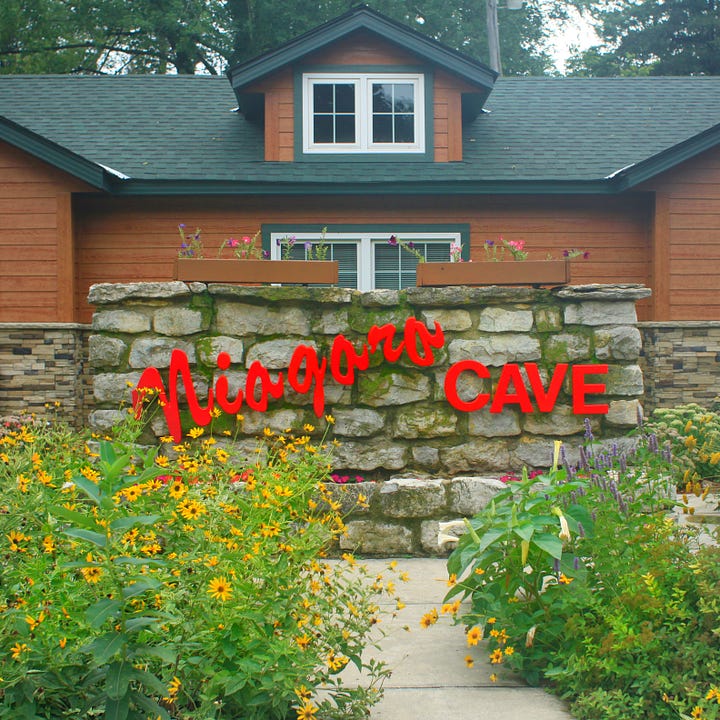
(395, 418)
(44, 364)
(680, 362)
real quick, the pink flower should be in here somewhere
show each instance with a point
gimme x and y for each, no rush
(247, 240)
(233, 242)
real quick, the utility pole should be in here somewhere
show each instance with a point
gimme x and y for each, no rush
(493, 35)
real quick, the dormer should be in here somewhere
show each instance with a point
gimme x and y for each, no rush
(364, 88)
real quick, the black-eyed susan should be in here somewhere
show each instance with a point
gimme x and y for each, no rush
(429, 618)
(92, 574)
(308, 711)
(496, 656)
(474, 636)
(220, 589)
(469, 662)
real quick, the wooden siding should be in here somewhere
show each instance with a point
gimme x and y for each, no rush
(37, 267)
(361, 49)
(687, 240)
(128, 240)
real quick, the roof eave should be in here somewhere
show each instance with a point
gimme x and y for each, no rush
(436, 187)
(667, 159)
(55, 155)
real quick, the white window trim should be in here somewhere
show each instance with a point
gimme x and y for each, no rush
(363, 113)
(364, 242)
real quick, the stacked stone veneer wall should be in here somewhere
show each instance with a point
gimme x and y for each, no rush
(680, 362)
(394, 421)
(44, 364)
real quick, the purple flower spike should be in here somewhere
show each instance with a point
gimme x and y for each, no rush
(566, 253)
(393, 241)
(308, 245)
(586, 255)
(490, 243)
(266, 254)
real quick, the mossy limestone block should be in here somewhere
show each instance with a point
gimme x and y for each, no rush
(377, 538)
(425, 422)
(598, 312)
(411, 498)
(105, 351)
(358, 422)
(470, 494)
(382, 389)
(567, 347)
(156, 351)
(497, 319)
(241, 319)
(121, 321)
(618, 343)
(496, 349)
(178, 321)
(366, 456)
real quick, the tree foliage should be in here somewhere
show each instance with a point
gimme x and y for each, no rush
(207, 36)
(653, 37)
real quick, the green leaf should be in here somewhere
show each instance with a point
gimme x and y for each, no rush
(149, 680)
(139, 622)
(550, 544)
(167, 655)
(140, 587)
(94, 537)
(127, 522)
(150, 706)
(524, 532)
(127, 560)
(117, 679)
(98, 613)
(88, 487)
(72, 516)
(107, 452)
(104, 647)
(117, 709)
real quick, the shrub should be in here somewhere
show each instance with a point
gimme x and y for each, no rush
(578, 578)
(135, 586)
(693, 434)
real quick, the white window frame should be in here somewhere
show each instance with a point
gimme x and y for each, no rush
(364, 240)
(363, 112)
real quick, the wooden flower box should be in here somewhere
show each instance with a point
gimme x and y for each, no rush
(256, 272)
(527, 272)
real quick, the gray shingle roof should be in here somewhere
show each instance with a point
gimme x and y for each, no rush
(182, 130)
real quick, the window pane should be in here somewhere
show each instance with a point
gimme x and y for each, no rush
(382, 129)
(344, 98)
(438, 252)
(347, 256)
(404, 98)
(323, 129)
(404, 128)
(382, 97)
(345, 129)
(322, 98)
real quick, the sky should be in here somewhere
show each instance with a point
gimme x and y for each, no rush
(576, 31)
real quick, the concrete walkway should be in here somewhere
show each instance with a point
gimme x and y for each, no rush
(430, 678)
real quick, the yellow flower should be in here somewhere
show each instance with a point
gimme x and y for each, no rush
(303, 641)
(452, 580)
(196, 432)
(162, 461)
(697, 712)
(509, 650)
(564, 579)
(177, 489)
(17, 650)
(469, 661)
(191, 509)
(306, 712)
(690, 443)
(173, 689)
(474, 636)
(220, 589)
(92, 574)
(493, 678)
(330, 419)
(429, 618)
(450, 608)
(496, 656)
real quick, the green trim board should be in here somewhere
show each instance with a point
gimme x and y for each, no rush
(363, 18)
(463, 229)
(53, 154)
(647, 169)
(358, 156)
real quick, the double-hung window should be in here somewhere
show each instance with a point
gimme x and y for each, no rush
(367, 259)
(363, 113)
